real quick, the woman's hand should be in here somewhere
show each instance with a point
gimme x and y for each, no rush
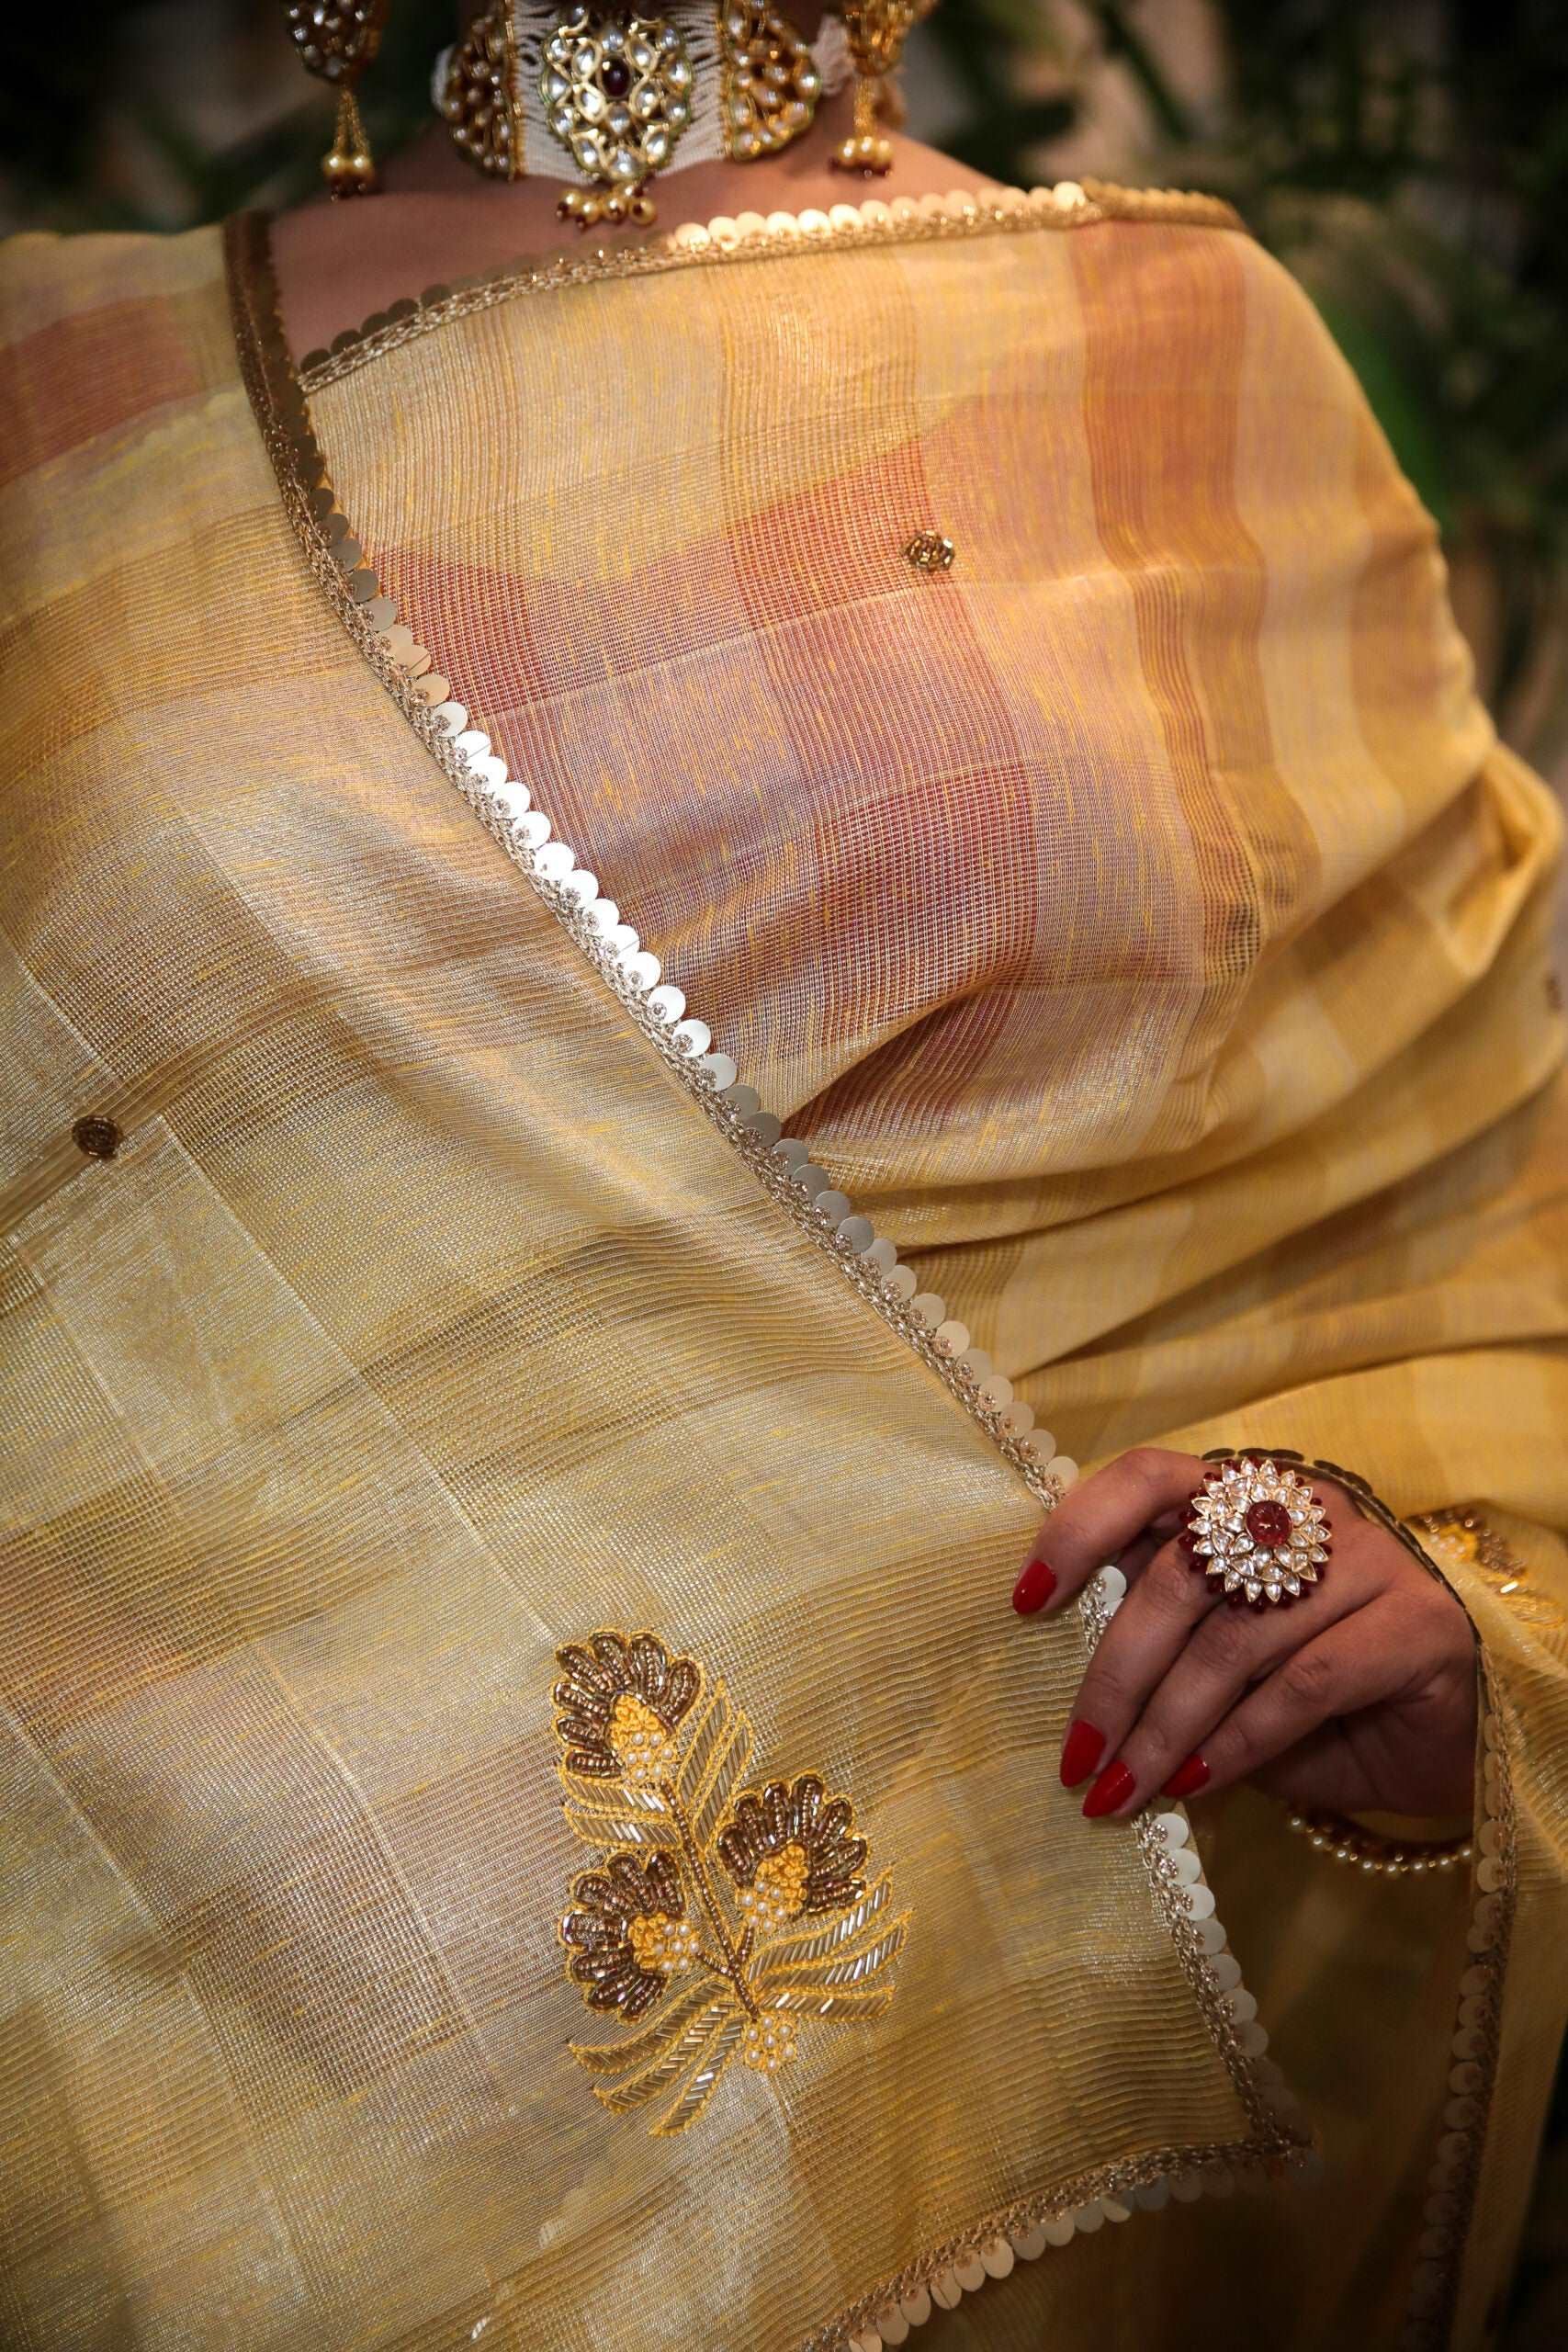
(1360, 1696)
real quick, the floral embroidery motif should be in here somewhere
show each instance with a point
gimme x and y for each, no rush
(1463, 1538)
(620, 1704)
(631, 1934)
(790, 1853)
(754, 1907)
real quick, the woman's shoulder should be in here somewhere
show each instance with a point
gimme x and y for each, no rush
(97, 333)
(1212, 271)
(48, 279)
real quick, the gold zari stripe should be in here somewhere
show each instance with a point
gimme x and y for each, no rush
(986, 2247)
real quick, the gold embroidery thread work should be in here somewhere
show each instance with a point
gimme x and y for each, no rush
(1463, 1537)
(755, 1908)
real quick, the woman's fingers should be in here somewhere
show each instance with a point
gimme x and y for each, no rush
(1351, 1663)
(1099, 1518)
(1150, 1629)
(1362, 1681)
(1173, 1661)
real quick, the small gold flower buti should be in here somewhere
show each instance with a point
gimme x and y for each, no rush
(100, 1138)
(930, 551)
(728, 1919)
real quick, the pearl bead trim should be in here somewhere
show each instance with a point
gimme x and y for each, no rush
(751, 236)
(1345, 1842)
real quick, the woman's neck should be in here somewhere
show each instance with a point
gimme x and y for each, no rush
(438, 218)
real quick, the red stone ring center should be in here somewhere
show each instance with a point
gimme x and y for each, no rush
(1268, 1524)
(1259, 1531)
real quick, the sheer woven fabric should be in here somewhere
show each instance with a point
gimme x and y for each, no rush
(1145, 928)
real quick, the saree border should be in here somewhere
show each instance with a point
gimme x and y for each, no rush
(909, 220)
(1276, 2141)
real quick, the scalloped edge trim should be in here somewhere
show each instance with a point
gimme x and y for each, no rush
(1023, 2231)
(1454, 2179)
(752, 236)
(783, 1168)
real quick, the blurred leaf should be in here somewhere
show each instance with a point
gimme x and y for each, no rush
(1404, 409)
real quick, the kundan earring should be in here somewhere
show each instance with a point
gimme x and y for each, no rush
(336, 41)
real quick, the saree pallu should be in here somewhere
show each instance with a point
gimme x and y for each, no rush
(429, 1316)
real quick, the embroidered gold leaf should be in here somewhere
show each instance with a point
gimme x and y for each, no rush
(709, 1724)
(731, 1755)
(683, 2044)
(838, 2007)
(618, 1816)
(704, 2079)
(755, 1899)
(795, 1950)
(611, 1796)
(854, 1965)
(622, 2057)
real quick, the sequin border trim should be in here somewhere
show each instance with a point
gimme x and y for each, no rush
(783, 1168)
(749, 236)
(1454, 2179)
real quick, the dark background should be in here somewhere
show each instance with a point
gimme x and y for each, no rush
(1407, 159)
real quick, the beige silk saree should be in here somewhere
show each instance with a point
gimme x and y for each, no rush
(490, 1523)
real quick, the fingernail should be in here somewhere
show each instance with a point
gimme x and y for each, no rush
(1080, 1752)
(1187, 1778)
(1033, 1589)
(1114, 1786)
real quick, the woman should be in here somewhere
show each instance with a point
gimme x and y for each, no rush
(528, 1810)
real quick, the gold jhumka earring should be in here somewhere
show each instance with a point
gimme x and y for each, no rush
(769, 81)
(876, 30)
(336, 41)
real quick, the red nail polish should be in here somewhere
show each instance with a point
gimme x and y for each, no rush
(1114, 1786)
(1033, 1589)
(1187, 1778)
(1080, 1752)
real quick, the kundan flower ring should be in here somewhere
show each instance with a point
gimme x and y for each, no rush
(1259, 1531)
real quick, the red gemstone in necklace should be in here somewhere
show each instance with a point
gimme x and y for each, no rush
(616, 78)
(1269, 1524)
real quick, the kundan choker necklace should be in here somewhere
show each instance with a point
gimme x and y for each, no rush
(620, 98)
(616, 92)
